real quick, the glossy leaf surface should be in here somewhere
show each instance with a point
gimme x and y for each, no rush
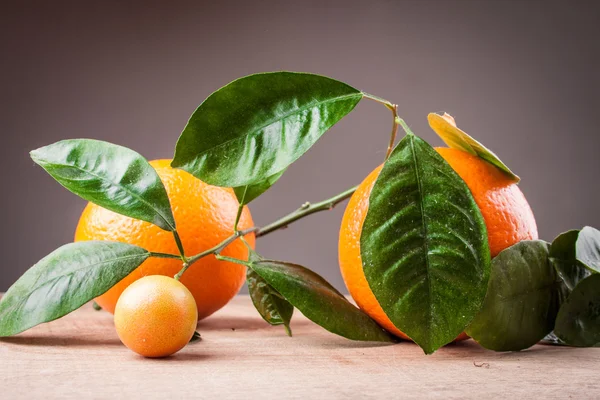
(564, 259)
(65, 280)
(111, 176)
(458, 139)
(245, 194)
(578, 321)
(588, 248)
(424, 246)
(254, 127)
(319, 301)
(272, 306)
(522, 301)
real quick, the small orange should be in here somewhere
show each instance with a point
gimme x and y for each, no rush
(204, 215)
(507, 216)
(156, 316)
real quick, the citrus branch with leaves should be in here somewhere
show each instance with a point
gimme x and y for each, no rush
(424, 246)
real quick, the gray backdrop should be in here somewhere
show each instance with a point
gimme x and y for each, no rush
(521, 76)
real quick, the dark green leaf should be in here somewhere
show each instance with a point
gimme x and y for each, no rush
(522, 301)
(245, 194)
(458, 139)
(65, 280)
(274, 309)
(424, 246)
(588, 248)
(256, 126)
(563, 257)
(578, 321)
(195, 337)
(96, 306)
(319, 301)
(114, 177)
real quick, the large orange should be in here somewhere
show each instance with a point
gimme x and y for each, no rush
(205, 216)
(507, 215)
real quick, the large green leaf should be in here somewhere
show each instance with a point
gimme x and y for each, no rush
(112, 176)
(319, 301)
(588, 248)
(256, 126)
(271, 305)
(564, 258)
(65, 280)
(245, 194)
(424, 246)
(522, 300)
(578, 321)
(458, 139)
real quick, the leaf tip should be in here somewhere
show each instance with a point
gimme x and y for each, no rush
(288, 330)
(35, 155)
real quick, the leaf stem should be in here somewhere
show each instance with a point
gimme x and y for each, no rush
(378, 99)
(394, 131)
(180, 246)
(231, 259)
(404, 126)
(239, 214)
(394, 109)
(304, 210)
(214, 250)
(165, 255)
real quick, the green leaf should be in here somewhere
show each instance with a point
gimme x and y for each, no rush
(554, 340)
(424, 246)
(111, 176)
(522, 301)
(65, 280)
(588, 248)
(245, 194)
(319, 301)
(195, 337)
(458, 139)
(568, 253)
(254, 127)
(578, 321)
(564, 259)
(271, 305)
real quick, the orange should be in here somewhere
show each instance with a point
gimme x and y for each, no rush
(156, 316)
(204, 215)
(507, 216)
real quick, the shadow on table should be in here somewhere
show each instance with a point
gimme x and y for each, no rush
(181, 357)
(31, 340)
(351, 344)
(240, 323)
(470, 348)
(302, 329)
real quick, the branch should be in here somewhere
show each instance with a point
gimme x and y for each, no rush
(304, 210)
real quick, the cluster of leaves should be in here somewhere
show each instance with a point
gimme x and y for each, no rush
(243, 136)
(537, 287)
(425, 254)
(423, 245)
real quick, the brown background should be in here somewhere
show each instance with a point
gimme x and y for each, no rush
(521, 76)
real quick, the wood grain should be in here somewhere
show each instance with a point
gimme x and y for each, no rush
(240, 356)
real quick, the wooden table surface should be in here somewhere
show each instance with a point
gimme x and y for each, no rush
(240, 356)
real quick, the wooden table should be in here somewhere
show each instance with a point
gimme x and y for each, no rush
(240, 356)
